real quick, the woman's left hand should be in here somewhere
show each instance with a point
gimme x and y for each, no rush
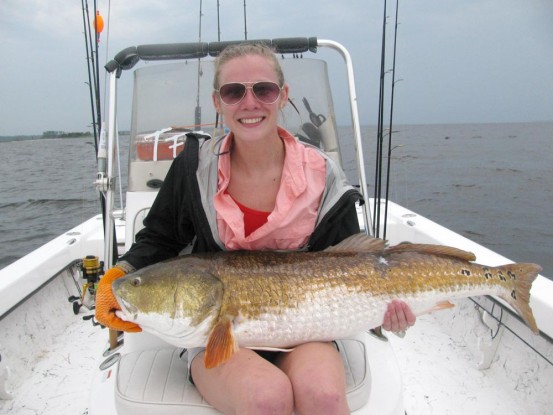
(398, 317)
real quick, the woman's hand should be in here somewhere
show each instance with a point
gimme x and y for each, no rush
(398, 317)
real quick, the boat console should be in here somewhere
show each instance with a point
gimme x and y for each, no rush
(173, 99)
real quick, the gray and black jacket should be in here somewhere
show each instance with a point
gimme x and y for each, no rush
(183, 212)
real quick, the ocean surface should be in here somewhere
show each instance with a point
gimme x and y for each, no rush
(492, 183)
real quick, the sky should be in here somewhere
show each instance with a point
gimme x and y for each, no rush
(458, 61)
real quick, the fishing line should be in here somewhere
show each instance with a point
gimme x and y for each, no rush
(500, 322)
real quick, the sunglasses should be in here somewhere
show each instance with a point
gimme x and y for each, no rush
(264, 91)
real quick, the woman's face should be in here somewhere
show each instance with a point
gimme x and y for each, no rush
(250, 119)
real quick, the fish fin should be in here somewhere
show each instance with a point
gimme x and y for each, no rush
(221, 344)
(442, 305)
(441, 250)
(273, 349)
(359, 242)
(522, 275)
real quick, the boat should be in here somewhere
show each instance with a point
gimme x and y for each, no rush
(55, 358)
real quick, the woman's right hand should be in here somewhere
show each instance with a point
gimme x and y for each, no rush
(107, 305)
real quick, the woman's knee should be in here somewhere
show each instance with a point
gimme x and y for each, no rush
(320, 399)
(274, 396)
(317, 374)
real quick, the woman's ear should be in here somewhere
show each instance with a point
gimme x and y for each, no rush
(283, 96)
(216, 102)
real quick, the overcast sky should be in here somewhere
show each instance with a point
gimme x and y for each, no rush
(460, 61)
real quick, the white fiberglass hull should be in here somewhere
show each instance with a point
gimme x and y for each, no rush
(53, 355)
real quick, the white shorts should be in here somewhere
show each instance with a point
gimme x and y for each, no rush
(191, 354)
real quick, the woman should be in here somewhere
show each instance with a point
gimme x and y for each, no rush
(257, 188)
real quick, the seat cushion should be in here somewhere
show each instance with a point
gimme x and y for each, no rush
(156, 382)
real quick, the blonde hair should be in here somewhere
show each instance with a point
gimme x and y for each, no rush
(245, 49)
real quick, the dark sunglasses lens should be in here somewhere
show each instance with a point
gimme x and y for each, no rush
(266, 92)
(232, 93)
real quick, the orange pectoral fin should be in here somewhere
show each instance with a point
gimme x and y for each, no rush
(442, 305)
(221, 344)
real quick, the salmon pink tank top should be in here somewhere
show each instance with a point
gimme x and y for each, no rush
(253, 219)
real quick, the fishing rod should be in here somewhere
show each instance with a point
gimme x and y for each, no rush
(391, 124)
(86, 32)
(217, 121)
(94, 89)
(97, 72)
(245, 24)
(198, 112)
(380, 130)
(380, 137)
(218, 23)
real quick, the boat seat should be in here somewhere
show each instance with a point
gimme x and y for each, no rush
(155, 381)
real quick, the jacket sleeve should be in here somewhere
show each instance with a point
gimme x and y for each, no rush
(168, 227)
(339, 223)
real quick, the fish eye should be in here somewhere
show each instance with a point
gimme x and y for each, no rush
(136, 281)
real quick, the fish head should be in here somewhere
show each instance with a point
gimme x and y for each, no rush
(175, 303)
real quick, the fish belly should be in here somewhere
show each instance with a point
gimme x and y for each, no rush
(316, 319)
(332, 315)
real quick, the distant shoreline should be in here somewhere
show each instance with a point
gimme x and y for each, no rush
(52, 134)
(45, 136)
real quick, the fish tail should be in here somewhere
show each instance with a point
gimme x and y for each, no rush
(522, 275)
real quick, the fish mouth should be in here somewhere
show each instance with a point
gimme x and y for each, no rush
(128, 311)
(127, 308)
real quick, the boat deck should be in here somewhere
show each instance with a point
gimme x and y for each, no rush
(440, 371)
(439, 359)
(60, 376)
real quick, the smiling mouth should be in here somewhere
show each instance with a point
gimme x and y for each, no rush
(251, 120)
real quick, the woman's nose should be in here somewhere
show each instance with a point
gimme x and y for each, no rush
(249, 98)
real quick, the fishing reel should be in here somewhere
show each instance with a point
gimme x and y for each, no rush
(91, 269)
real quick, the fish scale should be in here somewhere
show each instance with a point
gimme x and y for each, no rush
(263, 299)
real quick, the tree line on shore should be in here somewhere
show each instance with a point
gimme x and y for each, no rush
(47, 134)
(63, 134)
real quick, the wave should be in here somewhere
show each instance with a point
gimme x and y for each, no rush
(7, 260)
(44, 202)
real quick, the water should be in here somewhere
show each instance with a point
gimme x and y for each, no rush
(492, 183)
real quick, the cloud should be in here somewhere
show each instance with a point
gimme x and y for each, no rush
(449, 52)
(52, 19)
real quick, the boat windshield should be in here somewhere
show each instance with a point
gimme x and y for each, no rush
(174, 98)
